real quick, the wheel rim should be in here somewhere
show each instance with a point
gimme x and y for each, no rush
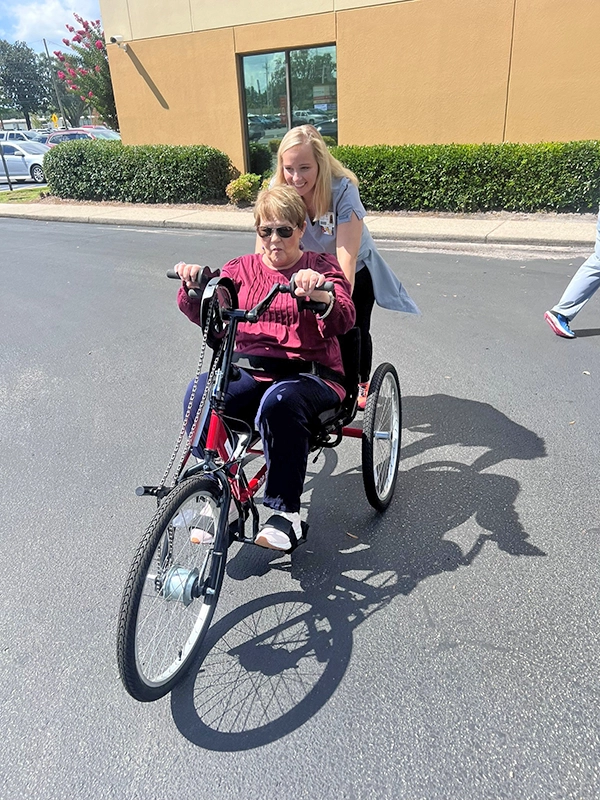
(386, 436)
(37, 174)
(174, 603)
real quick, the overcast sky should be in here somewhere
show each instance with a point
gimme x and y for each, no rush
(33, 20)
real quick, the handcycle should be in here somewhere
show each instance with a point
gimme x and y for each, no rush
(173, 584)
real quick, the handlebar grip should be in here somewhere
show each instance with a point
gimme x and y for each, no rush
(328, 286)
(193, 293)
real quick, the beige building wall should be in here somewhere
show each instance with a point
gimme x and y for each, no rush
(143, 19)
(180, 90)
(555, 78)
(415, 71)
(428, 71)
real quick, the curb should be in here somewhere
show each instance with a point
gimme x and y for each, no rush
(554, 233)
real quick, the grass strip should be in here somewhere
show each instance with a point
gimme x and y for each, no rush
(30, 195)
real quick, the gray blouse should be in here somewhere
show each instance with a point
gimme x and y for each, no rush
(320, 237)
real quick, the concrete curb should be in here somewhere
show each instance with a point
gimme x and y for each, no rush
(547, 232)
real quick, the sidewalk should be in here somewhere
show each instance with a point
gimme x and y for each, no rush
(545, 230)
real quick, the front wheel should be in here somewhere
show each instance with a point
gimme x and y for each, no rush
(382, 424)
(37, 173)
(172, 589)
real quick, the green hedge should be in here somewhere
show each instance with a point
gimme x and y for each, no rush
(260, 159)
(84, 170)
(514, 177)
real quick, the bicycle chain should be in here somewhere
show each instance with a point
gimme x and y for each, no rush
(191, 402)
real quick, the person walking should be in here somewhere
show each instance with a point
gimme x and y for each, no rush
(581, 287)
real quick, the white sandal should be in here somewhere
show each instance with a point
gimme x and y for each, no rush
(283, 531)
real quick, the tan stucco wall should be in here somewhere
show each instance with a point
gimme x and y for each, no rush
(425, 71)
(555, 78)
(179, 90)
(141, 19)
(288, 33)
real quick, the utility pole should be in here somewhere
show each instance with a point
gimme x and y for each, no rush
(10, 186)
(58, 100)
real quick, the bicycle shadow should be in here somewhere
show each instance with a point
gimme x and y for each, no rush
(268, 667)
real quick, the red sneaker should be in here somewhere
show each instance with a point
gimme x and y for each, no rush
(363, 392)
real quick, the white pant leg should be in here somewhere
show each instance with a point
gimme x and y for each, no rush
(582, 285)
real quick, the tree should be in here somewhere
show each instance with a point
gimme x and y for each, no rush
(308, 68)
(85, 72)
(73, 105)
(22, 81)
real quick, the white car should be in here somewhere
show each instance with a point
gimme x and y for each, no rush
(24, 161)
(10, 136)
(309, 117)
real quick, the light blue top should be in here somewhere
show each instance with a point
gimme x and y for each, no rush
(320, 237)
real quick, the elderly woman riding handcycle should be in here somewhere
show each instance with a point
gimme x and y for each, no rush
(283, 381)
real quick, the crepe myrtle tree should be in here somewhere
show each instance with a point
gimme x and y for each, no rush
(85, 72)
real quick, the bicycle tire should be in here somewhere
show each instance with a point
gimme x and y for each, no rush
(171, 590)
(382, 426)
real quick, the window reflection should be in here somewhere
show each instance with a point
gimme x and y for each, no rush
(309, 94)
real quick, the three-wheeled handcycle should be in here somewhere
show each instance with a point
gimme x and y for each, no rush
(173, 584)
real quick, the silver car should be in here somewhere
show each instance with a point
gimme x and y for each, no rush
(24, 160)
(21, 136)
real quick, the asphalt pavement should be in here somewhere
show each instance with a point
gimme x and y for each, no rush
(445, 649)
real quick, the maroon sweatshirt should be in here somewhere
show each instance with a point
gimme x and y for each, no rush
(283, 331)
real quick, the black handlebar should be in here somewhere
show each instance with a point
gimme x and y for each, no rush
(304, 303)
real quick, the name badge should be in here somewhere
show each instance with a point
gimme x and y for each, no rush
(327, 223)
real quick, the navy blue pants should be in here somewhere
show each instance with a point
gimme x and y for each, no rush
(284, 413)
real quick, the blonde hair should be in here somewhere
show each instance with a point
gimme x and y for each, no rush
(328, 166)
(280, 202)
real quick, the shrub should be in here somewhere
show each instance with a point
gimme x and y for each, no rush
(329, 141)
(260, 158)
(550, 176)
(243, 189)
(84, 170)
(274, 145)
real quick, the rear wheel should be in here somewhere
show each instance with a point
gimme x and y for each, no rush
(382, 424)
(37, 173)
(172, 589)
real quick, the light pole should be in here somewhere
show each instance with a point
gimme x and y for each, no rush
(10, 186)
(58, 100)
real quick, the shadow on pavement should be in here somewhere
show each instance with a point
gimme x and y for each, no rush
(583, 332)
(270, 665)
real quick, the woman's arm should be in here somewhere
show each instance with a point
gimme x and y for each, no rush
(347, 246)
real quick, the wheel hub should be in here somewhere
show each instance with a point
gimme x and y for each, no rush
(180, 584)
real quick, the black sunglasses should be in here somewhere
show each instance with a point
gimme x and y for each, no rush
(285, 231)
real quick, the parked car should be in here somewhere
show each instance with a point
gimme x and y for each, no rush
(329, 128)
(255, 131)
(38, 136)
(100, 132)
(308, 117)
(17, 136)
(24, 160)
(81, 133)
